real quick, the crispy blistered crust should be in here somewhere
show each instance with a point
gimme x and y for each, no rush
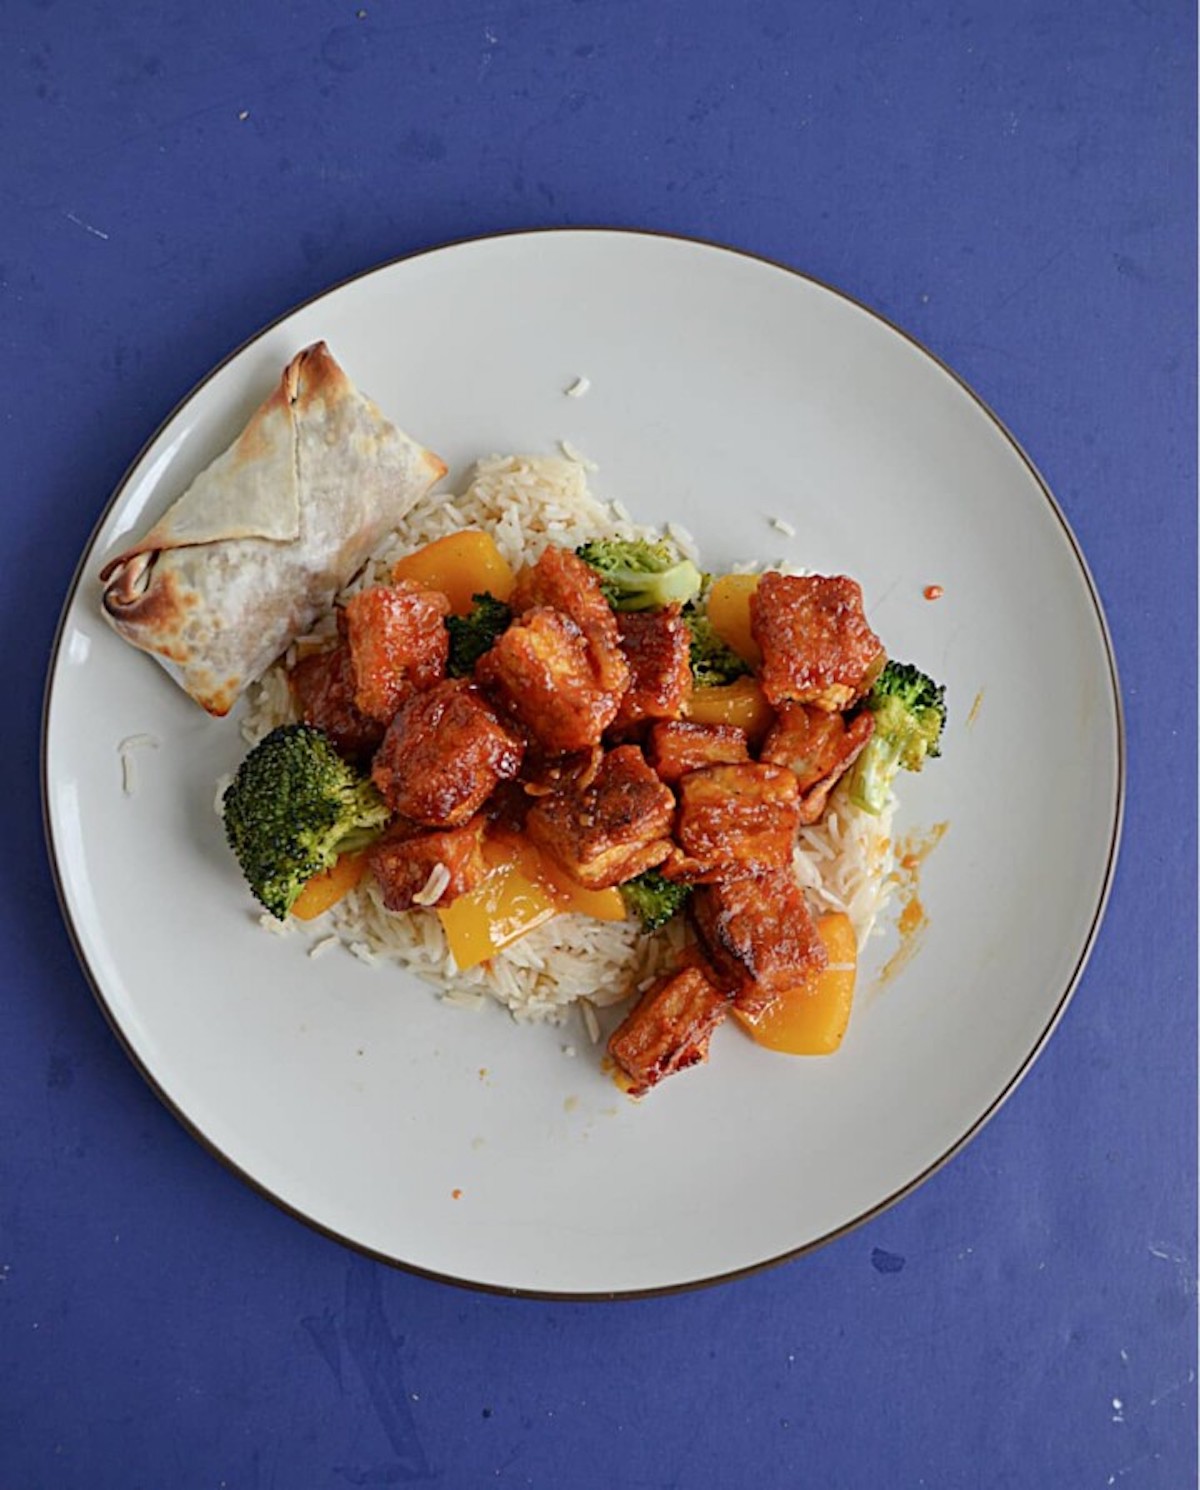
(255, 443)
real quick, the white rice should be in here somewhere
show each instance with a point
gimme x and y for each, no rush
(525, 502)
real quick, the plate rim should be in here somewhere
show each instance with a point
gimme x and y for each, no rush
(749, 1269)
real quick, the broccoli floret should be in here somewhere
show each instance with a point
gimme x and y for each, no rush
(473, 635)
(713, 661)
(292, 808)
(653, 898)
(636, 575)
(910, 713)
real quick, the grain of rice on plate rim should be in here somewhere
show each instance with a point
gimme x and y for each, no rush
(526, 502)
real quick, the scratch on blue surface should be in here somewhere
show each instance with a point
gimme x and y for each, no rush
(86, 226)
(376, 1352)
(323, 1330)
(886, 1262)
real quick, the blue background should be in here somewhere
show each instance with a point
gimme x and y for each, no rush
(1014, 184)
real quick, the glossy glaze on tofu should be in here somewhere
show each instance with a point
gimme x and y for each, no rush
(657, 647)
(759, 936)
(444, 754)
(541, 672)
(563, 582)
(398, 644)
(612, 830)
(742, 816)
(323, 686)
(816, 645)
(677, 747)
(405, 858)
(668, 1029)
(818, 748)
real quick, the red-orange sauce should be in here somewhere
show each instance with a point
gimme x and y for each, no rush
(913, 921)
(933, 592)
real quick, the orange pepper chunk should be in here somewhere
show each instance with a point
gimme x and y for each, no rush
(811, 1018)
(741, 702)
(511, 902)
(567, 893)
(326, 889)
(603, 905)
(460, 565)
(729, 612)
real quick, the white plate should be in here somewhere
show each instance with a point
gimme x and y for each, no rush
(725, 391)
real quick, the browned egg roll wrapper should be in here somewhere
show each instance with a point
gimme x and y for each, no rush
(260, 543)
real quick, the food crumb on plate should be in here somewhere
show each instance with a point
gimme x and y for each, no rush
(125, 751)
(456, 1194)
(781, 525)
(591, 1022)
(933, 592)
(569, 1052)
(579, 387)
(576, 455)
(319, 949)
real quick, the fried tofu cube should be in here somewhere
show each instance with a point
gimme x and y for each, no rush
(561, 581)
(759, 936)
(816, 645)
(428, 868)
(610, 831)
(745, 815)
(540, 671)
(443, 755)
(323, 687)
(657, 646)
(668, 1029)
(818, 748)
(398, 644)
(677, 747)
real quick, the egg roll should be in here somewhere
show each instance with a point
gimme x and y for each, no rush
(259, 544)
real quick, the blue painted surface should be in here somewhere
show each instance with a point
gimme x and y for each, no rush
(1014, 184)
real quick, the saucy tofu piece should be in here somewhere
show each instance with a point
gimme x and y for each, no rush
(542, 773)
(677, 747)
(816, 645)
(610, 831)
(738, 816)
(437, 867)
(657, 647)
(668, 1029)
(819, 748)
(540, 671)
(322, 686)
(759, 936)
(443, 755)
(398, 644)
(561, 581)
